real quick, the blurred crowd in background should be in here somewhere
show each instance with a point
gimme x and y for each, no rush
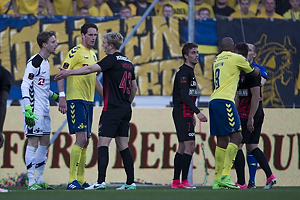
(203, 9)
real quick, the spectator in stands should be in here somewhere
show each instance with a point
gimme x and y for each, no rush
(115, 6)
(103, 9)
(167, 10)
(255, 7)
(93, 10)
(126, 12)
(180, 9)
(244, 12)
(200, 4)
(132, 5)
(6, 7)
(270, 10)
(159, 5)
(83, 12)
(80, 3)
(141, 7)
(221, 10)
(202, 14)
(25, 7)
(64, 7)
(294, 12)
(45, 8)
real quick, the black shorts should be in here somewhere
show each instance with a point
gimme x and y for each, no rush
(114, 123)
(248, 137)
(184, 128)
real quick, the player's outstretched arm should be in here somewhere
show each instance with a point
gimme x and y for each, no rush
(62, 106)
(80, 71)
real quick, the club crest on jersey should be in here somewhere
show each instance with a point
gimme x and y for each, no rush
(183, 79)
(30, 76)
(66, 65)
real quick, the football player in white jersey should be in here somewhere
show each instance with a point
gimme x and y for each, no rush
(36, 91)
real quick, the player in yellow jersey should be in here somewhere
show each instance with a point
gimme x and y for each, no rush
(78, 102)
(224, 119)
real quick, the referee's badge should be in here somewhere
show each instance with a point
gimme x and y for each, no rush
(183, 79)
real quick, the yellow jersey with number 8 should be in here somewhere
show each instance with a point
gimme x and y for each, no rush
(227, 67)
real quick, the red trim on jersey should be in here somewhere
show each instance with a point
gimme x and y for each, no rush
(105, 94)
(245, 105)
(186, 111)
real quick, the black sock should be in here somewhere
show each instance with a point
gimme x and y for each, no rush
(262, 161)
(239, 164)
(128, 165)
(185, 165)
(102, 163)
(177, 166)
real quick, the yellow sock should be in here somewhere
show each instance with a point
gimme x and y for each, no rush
(74, 160)
(219, 157)
(230, 155)
(81, 167)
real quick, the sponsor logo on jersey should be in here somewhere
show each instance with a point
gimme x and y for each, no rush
(86, 57)
(191, 134)
(30, 76)
(183, 79)
(193, 92)
(123, 58)
(85, 65)
(66, 65)
(41, 81)
(243, 92)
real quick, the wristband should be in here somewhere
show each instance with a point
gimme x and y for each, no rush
(62, 94)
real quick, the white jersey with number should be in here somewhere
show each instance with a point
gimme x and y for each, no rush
(35, 87)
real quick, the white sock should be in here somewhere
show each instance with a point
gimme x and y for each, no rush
(41, 163)
(30, 163)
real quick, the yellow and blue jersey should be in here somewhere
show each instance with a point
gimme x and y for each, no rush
(227, 67)
(80, 87)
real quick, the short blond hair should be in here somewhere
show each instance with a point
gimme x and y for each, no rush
(114, 38)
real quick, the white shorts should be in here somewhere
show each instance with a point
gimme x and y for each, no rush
(42, 126)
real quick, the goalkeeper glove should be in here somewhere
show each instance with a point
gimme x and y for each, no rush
(29, 116)
(55, 97)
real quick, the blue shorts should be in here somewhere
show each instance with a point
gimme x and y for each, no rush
(223, 117)
(80, 116)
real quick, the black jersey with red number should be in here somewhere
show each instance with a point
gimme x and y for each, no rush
(185, 92)
(118, 72)
(246, 82)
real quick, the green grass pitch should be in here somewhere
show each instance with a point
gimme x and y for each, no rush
(153, 193)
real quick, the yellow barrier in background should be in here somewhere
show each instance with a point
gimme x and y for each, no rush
(153, 143)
